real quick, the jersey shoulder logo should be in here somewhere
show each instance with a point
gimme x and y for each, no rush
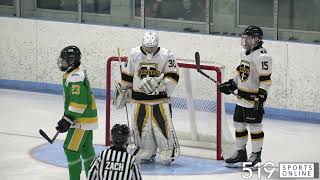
(148, 70)
(244, 70)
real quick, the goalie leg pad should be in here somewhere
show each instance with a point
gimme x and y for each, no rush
(166, 157)
(146, 146)
(144, 137)
(165, 135)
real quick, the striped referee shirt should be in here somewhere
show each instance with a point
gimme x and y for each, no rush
(114, 164)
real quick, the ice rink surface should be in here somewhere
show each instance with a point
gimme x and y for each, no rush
(24, 113)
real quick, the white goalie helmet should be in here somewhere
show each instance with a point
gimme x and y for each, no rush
(150, 43)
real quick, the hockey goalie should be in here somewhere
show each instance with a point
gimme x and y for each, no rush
(151, 73)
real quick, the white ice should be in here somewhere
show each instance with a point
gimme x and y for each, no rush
(23, 113)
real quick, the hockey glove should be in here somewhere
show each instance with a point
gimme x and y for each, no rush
(64, 124)
(150, 84)
(228, 87)
(260, 99)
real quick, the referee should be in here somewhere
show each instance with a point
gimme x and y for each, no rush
(115, 163)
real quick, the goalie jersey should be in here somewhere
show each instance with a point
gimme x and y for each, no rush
(79, 101)
(138, 67)
(254, 72)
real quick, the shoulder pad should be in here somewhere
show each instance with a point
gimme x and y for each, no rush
(76, 76)
(135, 50)
(262, 51)
(264, 57)
(166, 53)
(134, 53)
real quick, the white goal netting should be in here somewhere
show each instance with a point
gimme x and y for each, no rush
(197, 108)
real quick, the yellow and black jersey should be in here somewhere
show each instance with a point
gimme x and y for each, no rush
(254, 72)
(139, 67)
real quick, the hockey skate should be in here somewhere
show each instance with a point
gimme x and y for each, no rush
(236, 161)
(152, 159)
(255, 158)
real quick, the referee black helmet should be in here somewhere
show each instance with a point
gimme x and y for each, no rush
(120, 134)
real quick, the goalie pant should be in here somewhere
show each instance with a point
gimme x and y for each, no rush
(114, 164)
(153, 129)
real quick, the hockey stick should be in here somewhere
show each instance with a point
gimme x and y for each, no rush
(128, 121)
(197, 58)
(120, 65)
(44, 135)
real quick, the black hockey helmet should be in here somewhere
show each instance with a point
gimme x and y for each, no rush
(251, 37)
(120, 134)
(254, 31)
(69, 57)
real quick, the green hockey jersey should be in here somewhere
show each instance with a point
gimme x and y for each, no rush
(79, 102)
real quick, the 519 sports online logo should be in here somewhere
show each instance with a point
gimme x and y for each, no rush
(282, 170)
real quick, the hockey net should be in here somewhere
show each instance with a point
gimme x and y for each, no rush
(198, 112)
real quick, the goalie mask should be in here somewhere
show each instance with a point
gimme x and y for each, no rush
(69, 58)
(251, 37)
(120, 134)
(150, 43)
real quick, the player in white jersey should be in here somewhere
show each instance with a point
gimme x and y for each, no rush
(115, 163)
(253, 80)
(152, 73)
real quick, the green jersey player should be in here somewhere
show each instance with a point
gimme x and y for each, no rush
(80, 113)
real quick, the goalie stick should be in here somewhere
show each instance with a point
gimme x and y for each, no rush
(132, 136)
(120, 65)
(197, 58)
(44, 135)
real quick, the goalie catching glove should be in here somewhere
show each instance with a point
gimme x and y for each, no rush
(152, 85)
(64, 124)
(122, 96)
(228, 87)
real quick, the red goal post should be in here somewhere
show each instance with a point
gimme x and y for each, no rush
(183, 64)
